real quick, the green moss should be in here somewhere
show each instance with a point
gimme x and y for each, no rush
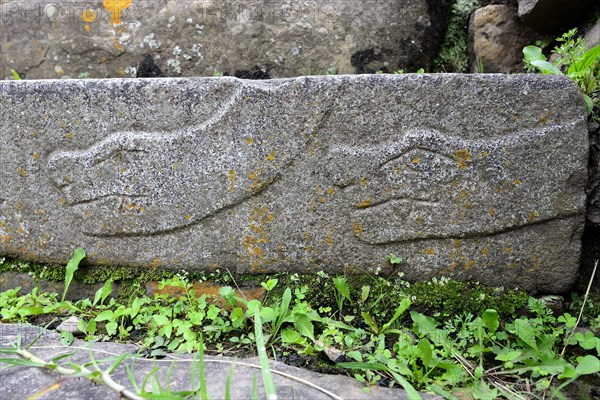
(454, 52)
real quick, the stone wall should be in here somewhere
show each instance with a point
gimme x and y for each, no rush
(307, 174)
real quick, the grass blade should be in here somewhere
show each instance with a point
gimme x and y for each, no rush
(270, 392)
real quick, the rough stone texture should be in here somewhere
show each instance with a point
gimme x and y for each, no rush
(554, 16)
(496, 39)
(216, 370)
(591, 234)
(246, 38)
(473, 176)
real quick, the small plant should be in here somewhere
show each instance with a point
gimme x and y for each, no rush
(574, 61)
(15, 75)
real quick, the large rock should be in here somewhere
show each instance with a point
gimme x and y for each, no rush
(555, 16)
(496, 40)
(475, 177)
(246, 38)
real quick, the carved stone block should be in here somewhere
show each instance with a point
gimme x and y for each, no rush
(474, 177)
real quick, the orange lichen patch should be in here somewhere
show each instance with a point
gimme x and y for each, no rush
(457, 243)
(19, 207)
(329, 240)
(469, 264)
(21, 230)
(533, 216)
(543, 120)
(462, 156)
(271, 156)
(365, 203)
(35, 156)
(331, 191)
(415, 160)
(485, 252)
(517, 182)
(492, 212)
(252, 175)
(257, 251)
(88, 15)
(87, 28)
(357, 227)
(429, 252)
(22, 172)
(308, 248)
(231, 175)
(121, 49)
(115, 7)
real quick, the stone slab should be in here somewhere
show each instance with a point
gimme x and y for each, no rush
(246, 38)
(216, 369)
(477, 177)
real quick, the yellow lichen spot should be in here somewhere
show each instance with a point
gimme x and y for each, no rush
(454, 183)
(308, 248)
(252, 175)
(115, 7)
(188, 217)
(420, 219)
(507, 250)
(249, 141)
(416, 160)
(21, 230)
(122, 170)
(485, 252)
(257, 251)
(156, 262)
(429, 252)
(469, 264)
(486, 154)
(533, 216)
(331, 191)
(517, 182)
(322, 199)
(69, 135)
(121, 71)
(33, 134)
(543, 120)
(365, 203)
(59, 70)
(457, 243)
(492, 212)
(329, 240)
(35, 156)
(271, 156)
(357, 227)
(320, 191)
(88, 15)
(363, 181)
(246, 98)
(398, 170)
(62, 200)
(231, 175)
(87, 28)
(462, 156)
(22, 172)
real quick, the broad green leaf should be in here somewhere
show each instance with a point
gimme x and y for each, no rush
(290, 336)
(546, 68)
(490, 318)
(103, 292)
(425, 325)
(587, 365)
(425, 353)
(533, 53)
(305, 327)
(111, 328)
(342, 287)
(66, 338)
(106, 315)
(160, 319)
(78, 255)
(525, 332)
(267, 314)
(364, 295)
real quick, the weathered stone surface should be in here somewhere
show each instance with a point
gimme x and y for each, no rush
(178, 378)
(554, 16)
(246, 38)
(474, 176)
(496, 39)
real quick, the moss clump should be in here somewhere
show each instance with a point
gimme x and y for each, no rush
(454, 51)
(447, 297)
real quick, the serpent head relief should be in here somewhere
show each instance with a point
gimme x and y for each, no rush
(424, 184)
(136, 183)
